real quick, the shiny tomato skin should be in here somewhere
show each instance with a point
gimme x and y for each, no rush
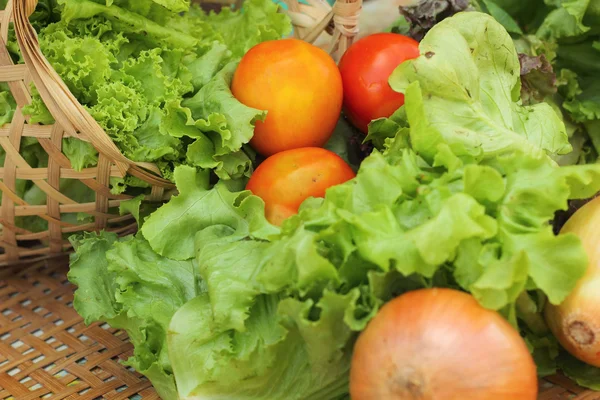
(366, 68)
(286, 179)
(300, 87)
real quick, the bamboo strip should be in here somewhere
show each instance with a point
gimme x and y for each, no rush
(52, 202)
(65, 173)
(9, 73)
(90, 208)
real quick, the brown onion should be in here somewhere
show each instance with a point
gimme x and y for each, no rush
(576, 322)
(436, 344)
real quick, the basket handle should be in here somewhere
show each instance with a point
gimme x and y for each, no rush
(312, 19)
(346, 14)
(61, 103)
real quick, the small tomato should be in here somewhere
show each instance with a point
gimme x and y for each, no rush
(286, 179)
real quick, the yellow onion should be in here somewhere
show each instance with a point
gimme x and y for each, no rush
(440, 344)
(576, 322)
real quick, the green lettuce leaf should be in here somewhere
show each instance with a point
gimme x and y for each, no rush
(566, 20)
(256, 22)
(128, 21)
(585, 104)
(126, 284)
(502, 16)
(357, 250)
(263, 361)
(214, 111)
(479, 81)
(81, 154)
(170, 231)
(95, 298)
(174, 5)
(8, 104)
(582, 373)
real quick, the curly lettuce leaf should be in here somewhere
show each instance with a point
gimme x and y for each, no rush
(215, 111)
(81, 154)
(566, 20)
(257, 305)
(578, 65)
(8, 105)
(263, 361)
(127, 21)
(170, 231)
(357, 250)
(95, 299)
(585, 104)
(126, 284)
(256, 22)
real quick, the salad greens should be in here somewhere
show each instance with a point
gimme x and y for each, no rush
(459, 192)
(156, 79)
(558, 42)
(459, 72)
(566, 34)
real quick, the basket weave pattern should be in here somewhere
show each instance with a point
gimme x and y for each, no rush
(46, 351)
(45, 348)
(72, 120)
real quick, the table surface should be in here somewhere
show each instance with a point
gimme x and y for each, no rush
(46, 351)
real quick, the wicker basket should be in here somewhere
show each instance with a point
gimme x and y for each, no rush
(46, 349)
(72, 120)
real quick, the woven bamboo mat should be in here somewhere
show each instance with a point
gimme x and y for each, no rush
(47, 352)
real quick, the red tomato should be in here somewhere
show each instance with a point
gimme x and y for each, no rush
(298, 85)
(366, 68)
(288, 178)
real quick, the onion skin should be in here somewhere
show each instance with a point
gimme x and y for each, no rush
(576, 322)
(435, 344)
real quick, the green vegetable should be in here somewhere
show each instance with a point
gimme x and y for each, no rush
(567, 33)
(133, 288)
(253, 311)
(462, 95)
(560, 58)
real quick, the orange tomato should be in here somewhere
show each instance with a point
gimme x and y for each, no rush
(440, 344)
(286, 179)
(300, 87)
